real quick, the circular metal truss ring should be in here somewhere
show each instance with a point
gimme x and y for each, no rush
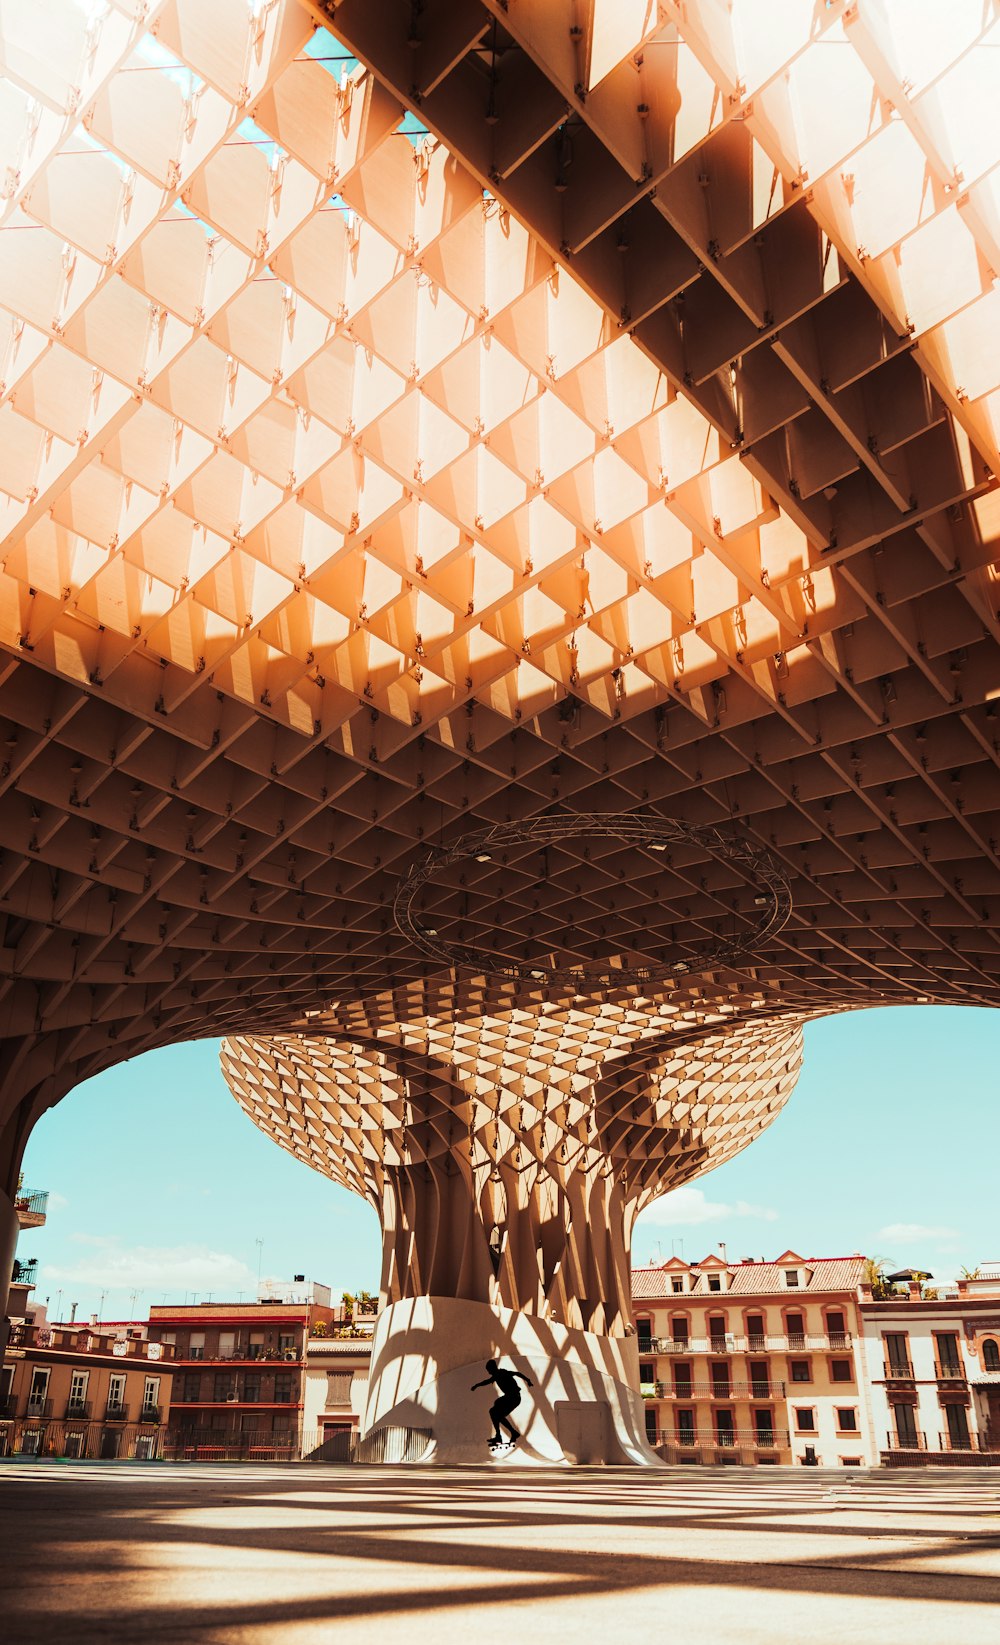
(773, 896)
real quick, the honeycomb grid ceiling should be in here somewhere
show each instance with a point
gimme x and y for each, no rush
(626, 442)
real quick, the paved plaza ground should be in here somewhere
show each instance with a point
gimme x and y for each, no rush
(298, 1555)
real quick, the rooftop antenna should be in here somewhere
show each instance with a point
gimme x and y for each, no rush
(673, 1247)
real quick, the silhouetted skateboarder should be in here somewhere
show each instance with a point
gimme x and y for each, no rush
(510, 1399)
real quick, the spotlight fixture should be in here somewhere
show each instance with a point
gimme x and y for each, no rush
(484, 856)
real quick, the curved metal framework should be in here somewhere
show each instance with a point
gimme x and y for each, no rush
(773, 896)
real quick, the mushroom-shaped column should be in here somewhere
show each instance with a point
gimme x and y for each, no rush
(507, 1190)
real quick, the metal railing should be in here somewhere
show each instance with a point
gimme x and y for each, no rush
(31, 1207)
(916, 1441)
(116, 1411)
(898, 1373)
(734, 1344)
(950, 1371)
(77, 1410)
(23, 1273)
(150, 1413)
(732, 1390)
(38, 1408)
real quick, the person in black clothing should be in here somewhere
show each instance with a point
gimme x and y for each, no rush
(510, 1399)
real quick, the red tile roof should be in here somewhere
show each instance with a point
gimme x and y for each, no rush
(757, 1279)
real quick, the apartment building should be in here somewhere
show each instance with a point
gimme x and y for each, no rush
(239, 1389)
(335, 1392)
(75, 1392)
(754, 1362)
(934, 1368)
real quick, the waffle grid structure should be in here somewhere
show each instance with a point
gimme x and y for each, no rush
(531, 417)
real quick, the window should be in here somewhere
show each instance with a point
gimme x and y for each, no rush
(836, 1328)
(850, 1462)
(805, 1420)
(847, 1419)
(151, 1394)
(647, 1371)
(906, 1427)
(717, 1328)
(251, 1388)
(256, 1348)
(897, 1353)
(338, 1388)
(958, 1427)
(949, 1362)
(714, 1282)
(651, 1428)
(224, 1386)
(679, 1328)
(37, 1392)
(77, 1402)
(227, 1344)
(116, 1393)
(644, 1329)
(841, 1370)
(724, 1431)
(760, 1379)
(685, 1427)
(755, 1330)
(196, 1348)
(720, 1381)
(791, 1277)
(286, 1345)
(763, 1422)
(801, 1370)
(682, 1380)
(282, 1387)
(677, 1287)
(991, 1355)
(795, 1325)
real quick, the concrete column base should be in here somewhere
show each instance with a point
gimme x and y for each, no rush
(583, 1406)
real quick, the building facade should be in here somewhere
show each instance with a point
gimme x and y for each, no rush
(74, 1392)
(934, 1370)
(336, 1387)
(754, 1362)
(239, 1389)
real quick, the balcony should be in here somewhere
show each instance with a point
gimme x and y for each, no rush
(750, 1439)
(39, 1408)
(23, 1273)
(731, 1344)
(31, 1208)
(8, 1406)
(898, 1373)
(733, 1390)
(115, 1411)
(911, 1442)
(77, 1410)
(651, 1390)
(951, 1371)
(150, 1413)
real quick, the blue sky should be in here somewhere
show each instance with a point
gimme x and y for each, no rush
(161, 1186)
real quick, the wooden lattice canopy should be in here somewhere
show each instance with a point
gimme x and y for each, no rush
(588, 407)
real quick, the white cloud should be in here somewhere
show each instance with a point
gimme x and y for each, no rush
(895, 1232)
(111, 1266)
(688, 1208)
